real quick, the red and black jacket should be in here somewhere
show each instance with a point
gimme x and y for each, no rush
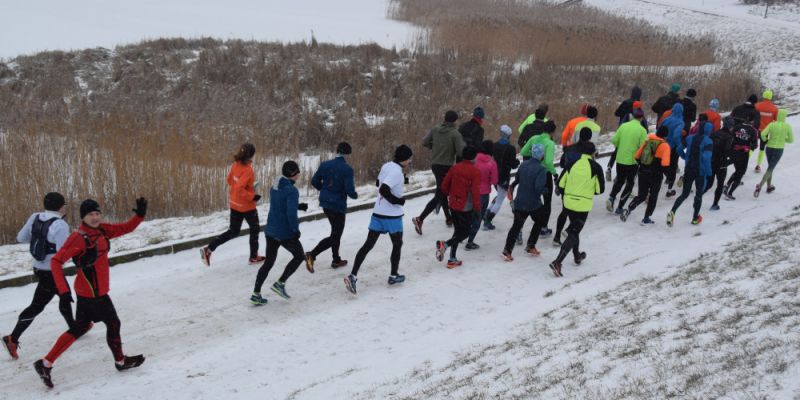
(91, 281)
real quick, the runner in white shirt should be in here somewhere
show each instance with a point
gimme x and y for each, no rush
(387, 216)
(46, 232)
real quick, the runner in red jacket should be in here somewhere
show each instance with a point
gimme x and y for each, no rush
(88, 248)
(463, 187)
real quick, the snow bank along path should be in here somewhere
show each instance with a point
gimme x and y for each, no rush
(204, 340)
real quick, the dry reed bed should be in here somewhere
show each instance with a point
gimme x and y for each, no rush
(161, 118)
(547, 33)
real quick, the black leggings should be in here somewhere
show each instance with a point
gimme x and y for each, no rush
(700, 188)
(372, 238)
(99, 309)
(294, 246)
(719, 174)
(672, 170)
(626, 175)
(576, 222)
(45, 291)
(740, 159)
(547, 199)
(236, 226)
(537, 216)
(649, 186)
(461, 225)
(439, 198)
(337, 229)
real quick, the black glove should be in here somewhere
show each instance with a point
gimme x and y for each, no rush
(257, 197)
(66, 297)
(296, 236)
(65, 308)
(405, 180)
(558, 191)
(302, 207)
(141, 207)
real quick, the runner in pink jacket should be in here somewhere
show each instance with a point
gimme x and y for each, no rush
(488, 167)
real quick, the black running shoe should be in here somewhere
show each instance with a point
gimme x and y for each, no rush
(44, 373)
(580, 257)
(130, 362)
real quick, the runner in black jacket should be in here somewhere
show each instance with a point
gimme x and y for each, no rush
(745, 138)
(505, 155)
(747, 112)
(665, 102)
(720, 159)
(472, 130)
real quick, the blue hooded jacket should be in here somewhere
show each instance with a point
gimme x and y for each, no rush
(282, 221)
(674, 124)
(334, 180)
(698, 151)
(531, 177)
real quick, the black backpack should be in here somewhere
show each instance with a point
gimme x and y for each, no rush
(40, 248)
(87, 259)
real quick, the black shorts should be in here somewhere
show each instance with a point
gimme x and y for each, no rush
(97, 309)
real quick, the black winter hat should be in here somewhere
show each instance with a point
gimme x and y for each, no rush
(53, 201)
(585, 135)
(549, 127)
(344, 148)
(728, 122)
(691, 93)
(591, 112)
(636, 93)
(88, 206)
(540, 113)
(662, 131)
(290, 169)
(402, 153)
(469, 153)
(487, 147)
(478, 112)
(752, 99)
(589, 149)
(450, 116)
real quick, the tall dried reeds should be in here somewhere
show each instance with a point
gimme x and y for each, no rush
(548, 33)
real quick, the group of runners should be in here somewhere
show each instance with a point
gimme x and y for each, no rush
(467, 169)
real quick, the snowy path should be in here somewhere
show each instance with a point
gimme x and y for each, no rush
(204, 340)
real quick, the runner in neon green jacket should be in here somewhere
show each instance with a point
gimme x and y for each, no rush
(580, 183)
(777, 134)
(549, 150)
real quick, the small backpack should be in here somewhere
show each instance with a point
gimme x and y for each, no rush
(649, 152)
(40, 248)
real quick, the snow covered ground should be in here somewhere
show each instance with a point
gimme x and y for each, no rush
(30, 27)
(688, 311)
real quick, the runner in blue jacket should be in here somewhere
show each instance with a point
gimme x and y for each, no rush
(334, 180)
(697, 153)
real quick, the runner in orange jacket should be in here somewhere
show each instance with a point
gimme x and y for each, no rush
(768, 112)
(569, 129)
